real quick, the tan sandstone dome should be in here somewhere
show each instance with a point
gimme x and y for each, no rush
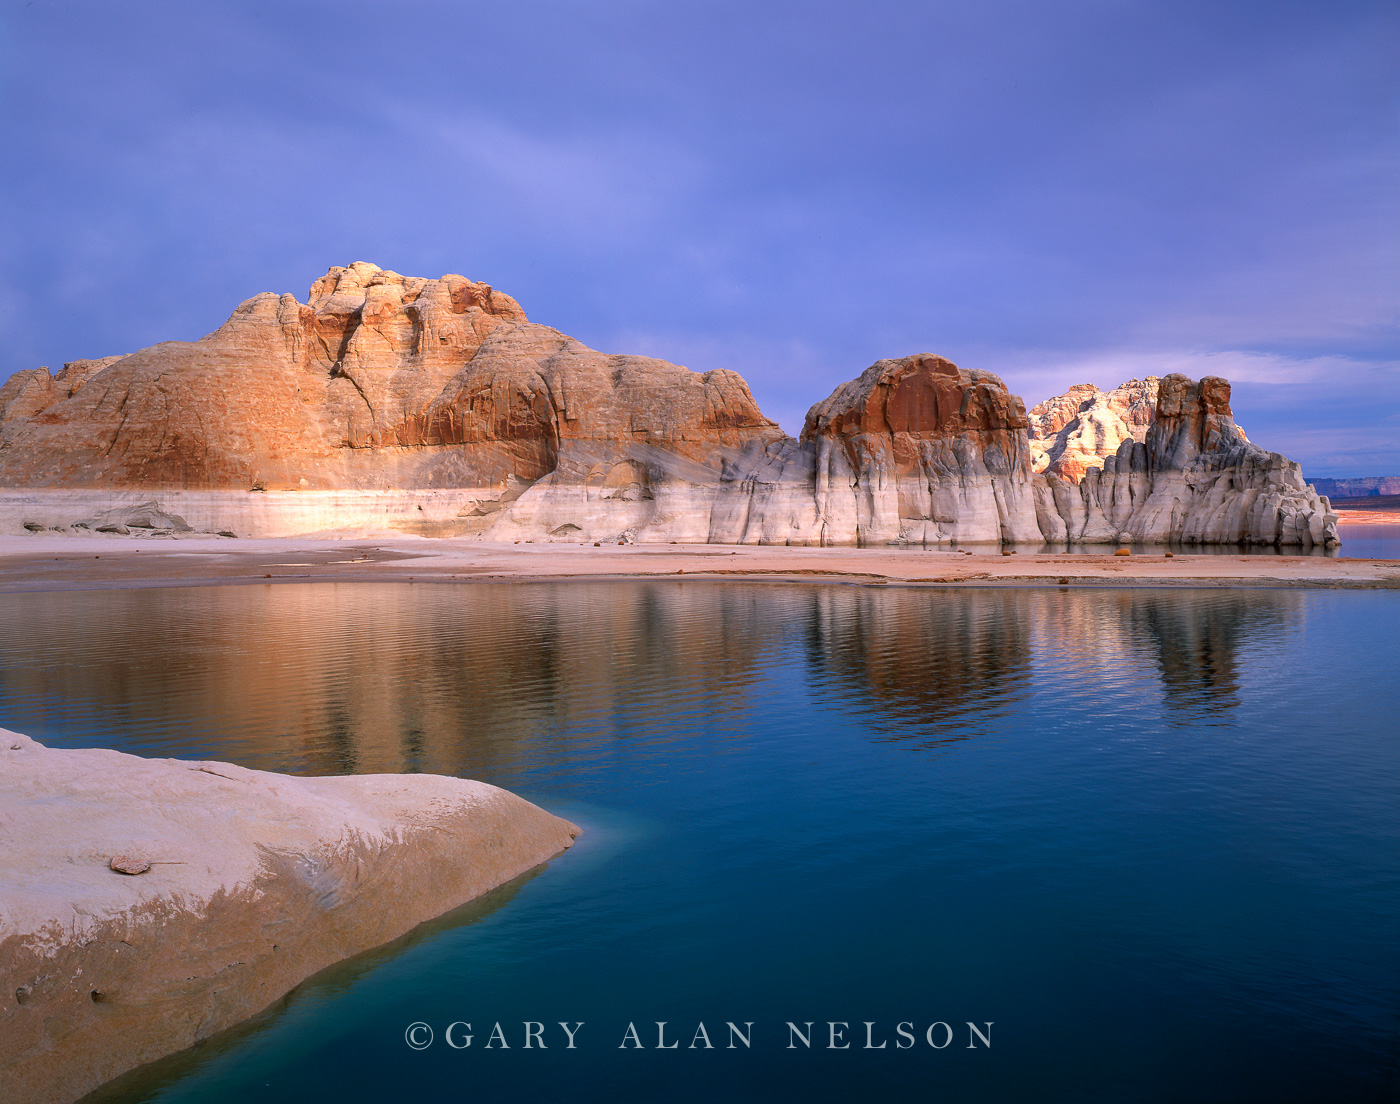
(377, 380)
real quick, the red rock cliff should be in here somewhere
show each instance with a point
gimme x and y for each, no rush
(377, 381)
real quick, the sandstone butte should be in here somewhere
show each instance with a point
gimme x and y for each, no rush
(249, 883)
(390, 404)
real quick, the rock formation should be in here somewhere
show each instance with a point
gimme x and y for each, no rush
(384, 383)
(1076, 431)
(914, 450)
(249, 883)
(388, 403)
(1189, 475)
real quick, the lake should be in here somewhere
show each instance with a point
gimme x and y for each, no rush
(1144, 840)
(1360, 540)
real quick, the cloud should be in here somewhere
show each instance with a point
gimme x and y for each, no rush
(1037, 370)
(592, 187)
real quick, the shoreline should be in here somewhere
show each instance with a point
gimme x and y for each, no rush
(49, 563)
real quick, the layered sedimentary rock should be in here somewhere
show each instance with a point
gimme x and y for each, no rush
(383, 383)
(1367, 487)
(1191, 476)
(1076, 431)
(147, 904)
(388, 403)
(914, 450)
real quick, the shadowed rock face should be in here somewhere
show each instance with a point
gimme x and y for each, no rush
(1191, 476)
(395, 403)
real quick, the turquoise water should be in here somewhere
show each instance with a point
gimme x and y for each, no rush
(1149, 836)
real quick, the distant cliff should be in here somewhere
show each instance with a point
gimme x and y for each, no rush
(1359, 488)
(388, 403)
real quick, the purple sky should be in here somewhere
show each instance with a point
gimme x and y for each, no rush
(1056, 192)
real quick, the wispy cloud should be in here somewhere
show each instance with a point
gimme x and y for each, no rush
(1037, 370)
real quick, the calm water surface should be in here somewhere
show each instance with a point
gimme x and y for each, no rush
(1368, 540)
(1151, 836)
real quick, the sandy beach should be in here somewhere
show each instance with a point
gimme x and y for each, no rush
(42, 562)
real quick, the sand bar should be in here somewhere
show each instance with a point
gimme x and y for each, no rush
(55, 562)
(1384, 511)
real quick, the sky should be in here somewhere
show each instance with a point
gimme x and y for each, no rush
(1077, 191)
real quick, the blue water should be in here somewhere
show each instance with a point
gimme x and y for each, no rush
(1369, 541)
(1359, 540)
(1149, 836)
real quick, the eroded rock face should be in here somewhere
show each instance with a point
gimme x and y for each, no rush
(146, 904)
(393, 404)
(1190, 476)
(914, 450)
(378, 382)
(1076, 431)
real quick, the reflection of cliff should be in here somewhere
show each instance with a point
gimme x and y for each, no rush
(364, 678)
(937, 666)
(1196, 640)
(930, 665)
(1189, 639)
(503, 682)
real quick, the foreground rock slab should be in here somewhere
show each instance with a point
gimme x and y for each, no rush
(146, 904)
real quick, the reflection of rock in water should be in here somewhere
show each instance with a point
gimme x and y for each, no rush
(494, 681)
(1196, 636)
(927, 665)
(328, 679)
(1189, 639)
